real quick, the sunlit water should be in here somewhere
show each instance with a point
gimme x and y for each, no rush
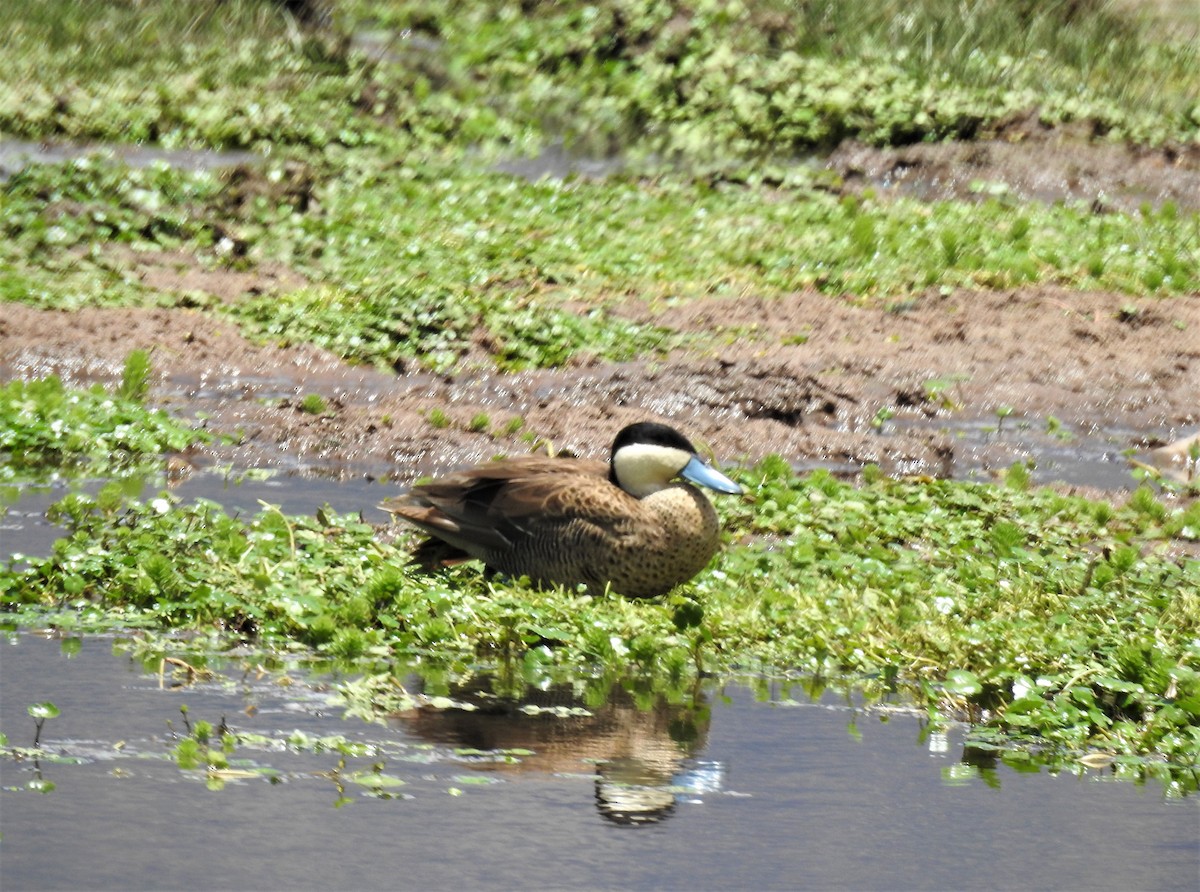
(752, 794)
(1097, 458)
(769, 796)
(15, 155)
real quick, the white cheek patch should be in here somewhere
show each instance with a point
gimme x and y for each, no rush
(643, 468)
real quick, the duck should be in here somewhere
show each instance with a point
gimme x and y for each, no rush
(635, 525)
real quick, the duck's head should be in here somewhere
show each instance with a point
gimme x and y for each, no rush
(647, 456)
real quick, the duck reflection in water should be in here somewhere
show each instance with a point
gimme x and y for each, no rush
(643, 757)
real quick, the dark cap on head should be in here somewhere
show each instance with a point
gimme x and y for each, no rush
(653, 434)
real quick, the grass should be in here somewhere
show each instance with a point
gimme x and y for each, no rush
(431, 264)
(313, 404)
(706, 79)
(232, 75)
(696, 80)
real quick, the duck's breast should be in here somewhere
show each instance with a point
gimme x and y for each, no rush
(676, 536)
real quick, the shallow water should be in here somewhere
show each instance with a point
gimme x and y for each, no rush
(770, 796)
(24, 528)
(774, 794)
(1095, 457)
(16, 154)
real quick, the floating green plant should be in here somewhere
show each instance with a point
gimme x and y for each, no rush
(43, 423)
(1007, 605)
(313, 404)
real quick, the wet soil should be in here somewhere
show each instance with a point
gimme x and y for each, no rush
(1093, 361)
(1028, 161)
(914, 385)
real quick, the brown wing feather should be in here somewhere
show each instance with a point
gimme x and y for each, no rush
(492, 506)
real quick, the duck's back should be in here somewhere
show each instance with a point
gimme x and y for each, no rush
(561, 521)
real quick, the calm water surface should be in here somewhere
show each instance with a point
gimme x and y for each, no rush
(781, 795)
(747, 794)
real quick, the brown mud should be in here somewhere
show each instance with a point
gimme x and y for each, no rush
(916, 386)
(1093, 361)
(1029, 161)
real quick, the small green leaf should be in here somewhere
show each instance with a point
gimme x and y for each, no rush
(960, 681)
(41, 785)
(44, 710)
(478, 780)
(377, 781)
(687, 615)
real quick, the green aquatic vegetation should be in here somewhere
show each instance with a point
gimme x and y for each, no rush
(438, 327)
(938, 390)
(1002, 412)
(135, 377)
(41, 713)
(57, 207)
(1056, 429)
(70, 229)
(687, 238)
(382, 306)
(1025, 594)
(43, 423)
(478, 243)
(433, 265)
(1049, 621)
(219, 752)
(425, 267)
(712, 81)
(233, 76)
(314, 404)
(1018, 476)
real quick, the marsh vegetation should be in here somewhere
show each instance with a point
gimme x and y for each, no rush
(379, 225)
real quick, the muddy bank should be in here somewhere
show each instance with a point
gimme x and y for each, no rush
(817, 380)
(915, 385)
(1028, 161)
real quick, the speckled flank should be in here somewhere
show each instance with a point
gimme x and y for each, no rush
(659, 542)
